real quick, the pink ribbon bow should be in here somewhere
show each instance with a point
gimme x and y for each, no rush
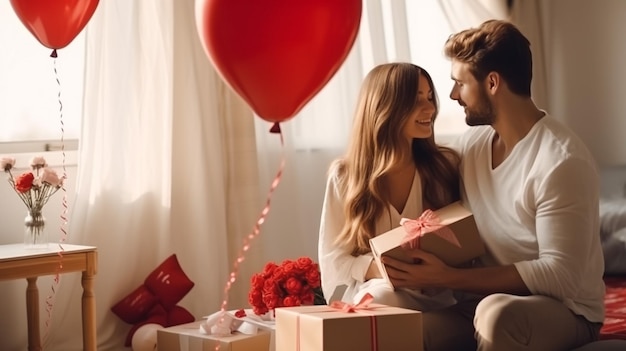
(428, 222)
(348, 307)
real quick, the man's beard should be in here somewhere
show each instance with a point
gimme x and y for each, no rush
(483, 114)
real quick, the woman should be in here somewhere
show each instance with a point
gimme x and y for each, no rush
(392, 169)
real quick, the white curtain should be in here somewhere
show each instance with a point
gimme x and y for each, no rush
(465, 14)
(167, 166)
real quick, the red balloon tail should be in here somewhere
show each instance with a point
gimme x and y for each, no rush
(63, 215)
(275, 128)
(53, 291)
(55, 283)
(256, 231)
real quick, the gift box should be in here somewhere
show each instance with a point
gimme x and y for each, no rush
(323, 328)
(455, 219)
(188, 337)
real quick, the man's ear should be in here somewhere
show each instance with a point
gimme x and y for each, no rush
(492, 82)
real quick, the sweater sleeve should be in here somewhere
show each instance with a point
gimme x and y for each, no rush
(566, 223)
(337, 265)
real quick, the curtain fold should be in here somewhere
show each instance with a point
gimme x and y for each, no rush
(373, 31)
(122, 193)
(214, 145)
(400, 30)
(465, 14)
(157, 172)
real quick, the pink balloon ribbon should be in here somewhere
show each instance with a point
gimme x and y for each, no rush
(256, 231)
(428, 222)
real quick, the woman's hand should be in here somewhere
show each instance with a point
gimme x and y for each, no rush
(430, 272)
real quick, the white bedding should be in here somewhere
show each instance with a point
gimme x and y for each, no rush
(613, 234)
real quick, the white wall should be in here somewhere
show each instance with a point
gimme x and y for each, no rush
(586, 79)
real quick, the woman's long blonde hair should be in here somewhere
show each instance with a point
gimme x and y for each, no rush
(387, 98)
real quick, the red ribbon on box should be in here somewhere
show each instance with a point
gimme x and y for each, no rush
(361, 305)
(428, 222)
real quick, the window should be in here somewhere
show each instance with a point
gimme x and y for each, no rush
(36, 110)
(428, 30)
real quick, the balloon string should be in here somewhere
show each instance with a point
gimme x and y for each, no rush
(57, 277)
(255, 233)
(64, 211)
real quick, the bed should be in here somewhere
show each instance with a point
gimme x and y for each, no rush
(613, 237)
(615, 302)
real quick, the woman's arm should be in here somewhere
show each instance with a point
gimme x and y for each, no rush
(337, 265)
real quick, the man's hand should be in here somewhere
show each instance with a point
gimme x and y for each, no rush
(431, 272)
(427, 273)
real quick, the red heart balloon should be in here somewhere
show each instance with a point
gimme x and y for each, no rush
(277, 54)
(55, 23)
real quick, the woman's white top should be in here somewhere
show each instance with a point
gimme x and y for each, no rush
(337, 265)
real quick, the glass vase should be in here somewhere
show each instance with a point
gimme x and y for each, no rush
(34, 231)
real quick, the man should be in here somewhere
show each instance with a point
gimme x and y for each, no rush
(533, 188)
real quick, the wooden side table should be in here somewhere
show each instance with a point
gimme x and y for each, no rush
(17, 262)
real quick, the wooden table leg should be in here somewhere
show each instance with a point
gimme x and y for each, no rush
(89, 304)
(32, 314)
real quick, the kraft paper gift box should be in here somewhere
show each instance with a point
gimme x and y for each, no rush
(323, 328)
(187, 337)
(456, 218)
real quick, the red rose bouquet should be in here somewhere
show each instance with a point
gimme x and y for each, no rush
(292, 283)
